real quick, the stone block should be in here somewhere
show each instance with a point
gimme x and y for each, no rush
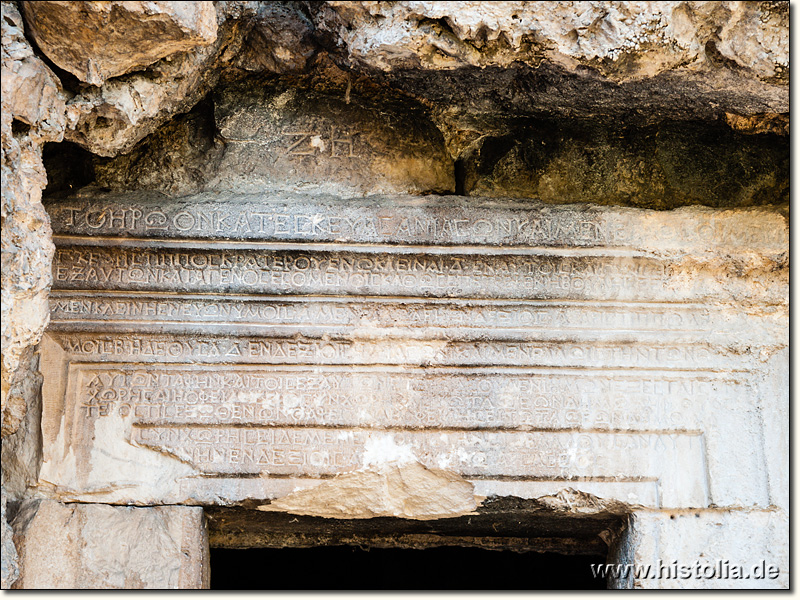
(704, 550)
(95, 546)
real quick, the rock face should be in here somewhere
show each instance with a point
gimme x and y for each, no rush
(441, 292)
(638, 61)
(678, 544)
(9, 565)
(110, 119)
(32, 114)
(621, 40)
(472, 65)
(98, 40)
(63, 546)
(280, 39)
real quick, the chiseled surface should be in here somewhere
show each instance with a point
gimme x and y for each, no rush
(293, 139)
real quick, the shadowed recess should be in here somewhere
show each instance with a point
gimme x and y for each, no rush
(447, 568)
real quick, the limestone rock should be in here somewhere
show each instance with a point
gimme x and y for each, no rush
(258, 135)
(302, 139)
(22, 449)
(177, 158)
(111, 119)
(98, 40)
(280, 39)
(672, 546)
(32, 114)
(761, 123)
(622, 40)
(69, 546)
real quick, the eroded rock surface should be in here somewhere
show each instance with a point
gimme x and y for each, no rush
(621, 40)
(32, 114)
(664, 166)
(298, 139)
(474, 64)
(638, 61)
(111, 119)
(98, 40)
(251, 36)
(9, 561)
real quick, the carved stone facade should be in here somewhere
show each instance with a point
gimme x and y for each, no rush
(339, 288)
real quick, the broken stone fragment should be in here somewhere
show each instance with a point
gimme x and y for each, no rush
(405, 489)
(98, 40)
(111, 119)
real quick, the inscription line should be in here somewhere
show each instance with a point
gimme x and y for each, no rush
(300, 297)
(465, 301)
(460, 300)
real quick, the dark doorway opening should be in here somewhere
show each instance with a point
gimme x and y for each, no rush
(444, 568)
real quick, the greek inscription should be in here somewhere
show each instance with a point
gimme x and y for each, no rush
(315, 452)
(417, 400)
(444, 222)
(395, 314)
(274, 272)
(326, 142)
(328, 350)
